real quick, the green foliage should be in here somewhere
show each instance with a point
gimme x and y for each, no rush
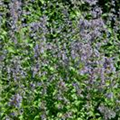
(59, 60)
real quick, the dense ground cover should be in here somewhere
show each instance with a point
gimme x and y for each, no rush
(59, 59)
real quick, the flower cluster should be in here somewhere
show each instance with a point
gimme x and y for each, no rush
(59, 59)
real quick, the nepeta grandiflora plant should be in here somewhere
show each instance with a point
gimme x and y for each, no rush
(59, 59)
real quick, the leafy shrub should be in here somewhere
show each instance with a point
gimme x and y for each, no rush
(59, 60)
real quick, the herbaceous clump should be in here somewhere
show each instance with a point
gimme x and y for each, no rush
(59, 60)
